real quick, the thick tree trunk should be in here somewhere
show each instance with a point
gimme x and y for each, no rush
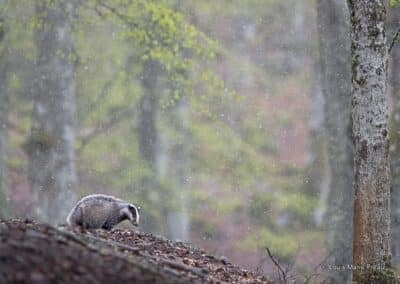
(370, 137)
(334, 42)
(50, 148)
(395, 147)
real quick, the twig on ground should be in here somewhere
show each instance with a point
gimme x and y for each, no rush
(280, 269)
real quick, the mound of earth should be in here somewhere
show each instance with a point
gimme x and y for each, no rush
(32, 252)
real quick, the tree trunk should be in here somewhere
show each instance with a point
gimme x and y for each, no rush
(173, 167)
(395, 147)
(317, 174)
(334, 43)
(50, 148)
(147, 128)
(370, 138)
(4, 105)
(148, 136)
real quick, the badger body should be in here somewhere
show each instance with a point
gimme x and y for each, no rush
(102, 211)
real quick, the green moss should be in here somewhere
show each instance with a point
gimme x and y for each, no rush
(384, 276)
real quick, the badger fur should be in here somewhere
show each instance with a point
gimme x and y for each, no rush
(102, 211)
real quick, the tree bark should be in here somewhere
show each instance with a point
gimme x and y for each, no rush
(4, 105)
(370, 138)
(334, 41)
(394, 142)
(51, 167)
(5, 207)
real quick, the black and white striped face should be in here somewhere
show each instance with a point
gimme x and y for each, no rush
(131, 213)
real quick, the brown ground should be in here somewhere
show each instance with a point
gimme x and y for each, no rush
(37, 253)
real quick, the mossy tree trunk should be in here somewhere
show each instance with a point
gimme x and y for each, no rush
(370, 138)
(334, 41)
(50, 147)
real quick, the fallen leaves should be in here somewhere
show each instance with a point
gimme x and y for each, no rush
(37, 253)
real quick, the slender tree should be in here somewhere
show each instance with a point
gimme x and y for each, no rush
(370, 138)
(51, 145)
(317, 172)
(147, 133)
(4, 111)
(334, 39)
(4, 105)
(165, 155)
(394, 142)
(173, 166)
(148, 108)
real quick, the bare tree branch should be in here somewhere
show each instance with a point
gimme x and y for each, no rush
(103, 127)
(283, 272)
(396, 35)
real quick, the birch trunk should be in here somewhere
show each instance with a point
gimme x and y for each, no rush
(371, 141)
(50, 148)
(334, 40)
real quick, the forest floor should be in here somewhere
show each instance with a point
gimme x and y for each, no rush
(33, 252)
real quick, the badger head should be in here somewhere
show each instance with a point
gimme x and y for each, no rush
(131, 213)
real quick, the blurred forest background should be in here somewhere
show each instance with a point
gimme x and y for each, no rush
(226, 121)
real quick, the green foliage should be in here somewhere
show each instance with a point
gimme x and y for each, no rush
(393, 2)
(156, 32)
(269, 207)
(283, 243)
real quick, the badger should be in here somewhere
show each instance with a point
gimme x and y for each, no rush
(102, 211)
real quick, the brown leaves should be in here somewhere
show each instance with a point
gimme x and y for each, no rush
(32, 251)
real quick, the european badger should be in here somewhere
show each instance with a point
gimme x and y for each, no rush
(102, 211)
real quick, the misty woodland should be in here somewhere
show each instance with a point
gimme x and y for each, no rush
(198, 141)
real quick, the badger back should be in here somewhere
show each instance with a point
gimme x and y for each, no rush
(94, 211)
